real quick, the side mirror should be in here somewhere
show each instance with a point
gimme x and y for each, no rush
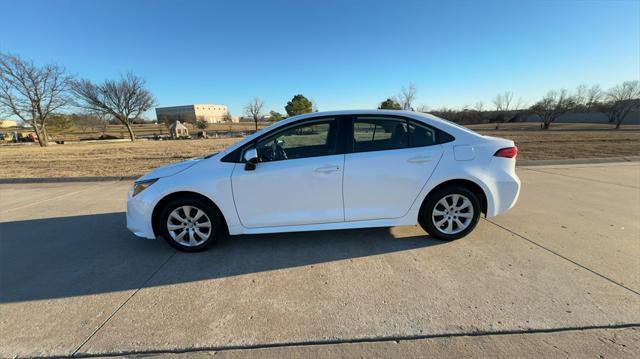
(251, 159)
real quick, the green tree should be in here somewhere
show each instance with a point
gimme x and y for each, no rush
(275, 116)
(202, 124)
(60, 122)
(389, 104)
(298, 105)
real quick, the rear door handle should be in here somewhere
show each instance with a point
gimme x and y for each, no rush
(420, 159)
(328, 169)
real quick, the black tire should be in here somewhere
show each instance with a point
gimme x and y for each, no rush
(426, 215)
(212, 214)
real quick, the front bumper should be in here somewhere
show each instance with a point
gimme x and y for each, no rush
(139, 211)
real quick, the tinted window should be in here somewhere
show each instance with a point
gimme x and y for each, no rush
(379, 133)
(421, 135)
(311, 139)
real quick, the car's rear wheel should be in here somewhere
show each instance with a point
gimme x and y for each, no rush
(450, 213)
(190, 224)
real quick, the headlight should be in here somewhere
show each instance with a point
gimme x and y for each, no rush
(142, 185)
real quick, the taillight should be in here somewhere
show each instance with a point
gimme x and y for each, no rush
(508, 152)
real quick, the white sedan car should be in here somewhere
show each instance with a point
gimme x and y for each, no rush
(331, 170)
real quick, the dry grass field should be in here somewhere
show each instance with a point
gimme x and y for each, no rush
(101, 159)
(563, 141)
(567, 141)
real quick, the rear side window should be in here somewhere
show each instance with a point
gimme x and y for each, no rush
(379, 134)
(420, 136)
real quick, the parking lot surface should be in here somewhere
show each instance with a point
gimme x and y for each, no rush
(560, 273)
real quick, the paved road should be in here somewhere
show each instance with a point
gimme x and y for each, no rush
(559, 273)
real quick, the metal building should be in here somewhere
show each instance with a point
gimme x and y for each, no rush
(191, 113)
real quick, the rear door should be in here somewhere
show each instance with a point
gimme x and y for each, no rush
(390, 160)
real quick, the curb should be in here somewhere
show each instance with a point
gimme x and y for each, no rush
(523, 163)
(577, 161)
(65, 179)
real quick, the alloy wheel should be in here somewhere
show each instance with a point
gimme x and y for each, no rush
(189, 226)
(452, 214)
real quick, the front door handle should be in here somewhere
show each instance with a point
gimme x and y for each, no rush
(420, 159)
(328, 169)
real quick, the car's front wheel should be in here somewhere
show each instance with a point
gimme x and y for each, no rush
(190, 224)
(450, 213)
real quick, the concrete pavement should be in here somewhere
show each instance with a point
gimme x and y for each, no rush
(566, 259)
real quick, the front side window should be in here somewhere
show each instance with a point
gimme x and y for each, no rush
(379, 133)
(310, 139)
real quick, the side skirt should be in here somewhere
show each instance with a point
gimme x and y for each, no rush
(409, 219)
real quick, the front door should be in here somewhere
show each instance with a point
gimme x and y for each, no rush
(298, 179)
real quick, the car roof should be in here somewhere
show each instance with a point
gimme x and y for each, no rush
(410, 114)
(362, 112)
(420, 116)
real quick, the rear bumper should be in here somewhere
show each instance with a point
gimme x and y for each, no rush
(506, 194)
(504, 186)
(139, 216)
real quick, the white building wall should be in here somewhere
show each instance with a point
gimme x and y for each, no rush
(211, 113)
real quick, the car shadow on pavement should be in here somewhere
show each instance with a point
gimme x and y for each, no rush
(63, 257)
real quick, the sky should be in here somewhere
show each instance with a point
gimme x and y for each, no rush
(341, 54)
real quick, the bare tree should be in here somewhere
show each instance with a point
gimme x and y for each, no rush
(407, 96)
(594, 96)
(479, 106)
(503, 101)
(87, 121)
(228, 120)
(423, 108)
(104, 121)
(621, 99)
(227, 117)
(588, 97)
(520, 104)
(81, 121)
(254, 110)
(580, 96)
(32, 93)
(552, 105)
(126, 99)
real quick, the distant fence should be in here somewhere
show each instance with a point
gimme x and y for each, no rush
(474, 117)
(590, 117)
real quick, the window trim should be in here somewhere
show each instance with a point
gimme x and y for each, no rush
(441, 136)
(237, 155)
(345, 135)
